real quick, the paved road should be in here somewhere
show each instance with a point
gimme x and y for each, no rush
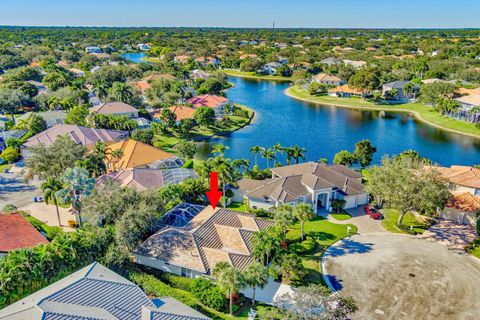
(14, 190)
(363, 222)
(402, 277)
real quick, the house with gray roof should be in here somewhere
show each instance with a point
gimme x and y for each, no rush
(116, 108)
(399, 86)
(5, 135)
(315, 183)
(96, 292)
(51, 117)
(330, 61)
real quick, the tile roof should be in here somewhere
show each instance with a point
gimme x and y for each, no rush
(113, 108)
(136, 153)
(16, 233)
(96, 292)
(157, 76)
(346, 89)
(207, 100)
(182, 112)
(326, 77)
(213, 235)
(473, 100)
(81, 135)
(145, 178)
(461, 175)
(465, 201)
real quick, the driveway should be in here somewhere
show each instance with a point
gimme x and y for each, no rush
(363, 222)
(14, 190)
(394, 276)
(454, 236)
(48, 214)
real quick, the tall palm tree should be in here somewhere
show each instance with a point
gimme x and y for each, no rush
(303, 212)
(229, 279)
(219, 149)
(122, 92)
(241, 164)
(49, 189)
(203, 170)
(256, 276)
(284, 217)
(77, 184)
(256, 150)
(54, 102)
(277, 148)
(296, 153)
(268, 154)
(226, 173)
(116, 155)
(100, 89)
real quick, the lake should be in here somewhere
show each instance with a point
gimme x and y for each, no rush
(325, 130)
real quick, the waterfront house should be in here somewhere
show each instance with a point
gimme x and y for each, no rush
(196, 238)
(315, 183)
(181, 113)
(217, 103)
(96, 292)
(147, 178)
(461, 178)
(327, 79)
(271, 68)
(399, 86)
(143, 46)
(344, 91)
(116, 108)
(200, 74)
(81, 135)
(469, 102)
(134, 154)
(17, 233)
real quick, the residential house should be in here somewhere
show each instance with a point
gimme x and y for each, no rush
(157, 76)
(271, 68)
(465, 91)
(399, 86)
(143, 46)
(93, 49)
(77, 72)
(97, 293)
(183, 59)
(315, 183)
(248, 56)
(330, 61)
(469, 102)
(40, 86)
(142, 123)
(206, 100)
(17, 233)
(195, 239)
(327, 79)
(354, 63)
(147, 178)
(461, 178)
(200, 74)
(5, 135)
(115, 109)
(81, 135)
(51, 117)
(344, 91)
(208, 61)
(462, 208)
(135, 154)
(95, 69)
(181, 113)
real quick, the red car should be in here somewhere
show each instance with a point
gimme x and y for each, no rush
(377, 216)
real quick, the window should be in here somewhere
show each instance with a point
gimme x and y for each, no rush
(187, 273)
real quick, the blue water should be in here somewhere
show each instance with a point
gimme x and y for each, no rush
(134, 56)
(325, 130)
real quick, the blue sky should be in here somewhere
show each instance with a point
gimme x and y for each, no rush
(244, 13)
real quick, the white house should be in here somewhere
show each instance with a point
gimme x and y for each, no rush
(315, 183)
(143, 46)
(93, 49)
(271, 68)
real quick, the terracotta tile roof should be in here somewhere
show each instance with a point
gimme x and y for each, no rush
(142, 85)
(207, 100)
(326, 77)
(136, 153)
(81, 135)
(212, 236)
(461, 175)
(346, 89)
(473, 100)
(465, 91)
(16, 232)
(182, 112)
(465, 201)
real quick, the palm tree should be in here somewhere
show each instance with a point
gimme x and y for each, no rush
(204, 169)
(256, 150)
(219, 149)
(303, 212)
(54, 102)
(256, 276)
(409, 89)
(229, 279)
(116, 155)
(77, 184)
(100, 89)
(296, 153)
(122, 92)
(49, 189)
(284, 217)
(264, 244)
(277, 148)
(241, 164)
(268, 154)
(226, 173)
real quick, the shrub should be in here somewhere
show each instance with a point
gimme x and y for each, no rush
(293, 236)
(10, 154)
(188, 164)
(176, 281)
(9, 208)
(308, 245)
(72, 223)
(208, 293)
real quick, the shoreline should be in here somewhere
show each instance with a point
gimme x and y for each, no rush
(417, 115)
(242, 74)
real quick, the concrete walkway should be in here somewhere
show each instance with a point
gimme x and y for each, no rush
(364, 223)
(48, 214)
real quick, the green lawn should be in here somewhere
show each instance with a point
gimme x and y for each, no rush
(326, 234)
(253, 75)
(422, 112)
(238, 206)
(475, 252)
(409, 220)
(166, 142)
(49, 231)
(341, 216)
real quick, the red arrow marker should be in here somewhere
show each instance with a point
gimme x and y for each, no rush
(213, 195)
